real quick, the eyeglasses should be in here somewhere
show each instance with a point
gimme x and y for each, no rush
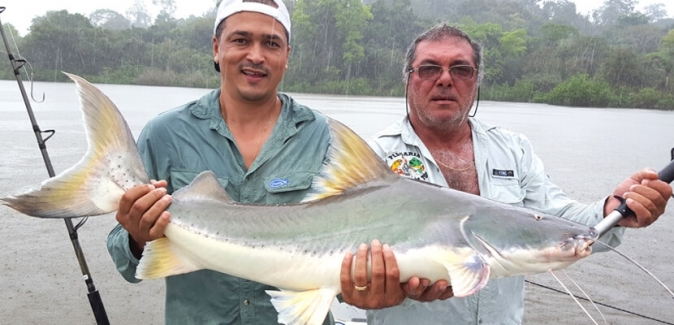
(433, 72)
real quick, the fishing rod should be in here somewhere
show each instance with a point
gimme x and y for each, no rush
(666, 175)
(93, 295)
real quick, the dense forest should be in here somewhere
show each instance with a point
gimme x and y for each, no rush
(535, 51)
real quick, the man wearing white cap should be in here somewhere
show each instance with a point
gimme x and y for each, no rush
(249, 136)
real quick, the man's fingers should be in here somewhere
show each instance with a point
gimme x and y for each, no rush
(345, 273)
(129, 198)
(148, 208)
(447, 294)
(360, 270)
(379, 268)
(161, 183)
(648, 201)
(157, 230)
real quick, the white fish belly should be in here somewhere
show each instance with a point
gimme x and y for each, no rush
(431, 262)
(276, 266)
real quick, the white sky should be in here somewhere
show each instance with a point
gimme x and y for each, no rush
(20, 12)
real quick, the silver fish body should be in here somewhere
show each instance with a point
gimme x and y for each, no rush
(435, 233)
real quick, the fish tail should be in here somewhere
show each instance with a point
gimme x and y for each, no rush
(97, 182)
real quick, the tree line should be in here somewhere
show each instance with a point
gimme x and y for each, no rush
(535, 50)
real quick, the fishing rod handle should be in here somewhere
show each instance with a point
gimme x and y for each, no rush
(666, 175)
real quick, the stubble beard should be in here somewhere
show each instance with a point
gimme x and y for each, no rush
(445, 122)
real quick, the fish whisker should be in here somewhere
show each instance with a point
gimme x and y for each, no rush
(639, 266)
(586, 295)
(574, 297)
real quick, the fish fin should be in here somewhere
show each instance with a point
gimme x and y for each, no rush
(351, 163)
(469, 276)
(302, 307)
(97, 182)
(205, 185)
(160, 260)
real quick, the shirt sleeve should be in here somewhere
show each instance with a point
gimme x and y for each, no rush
(118, 247)
(545, 196)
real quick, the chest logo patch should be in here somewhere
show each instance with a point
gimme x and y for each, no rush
(279, 182)
(408, 164)
(503, 173)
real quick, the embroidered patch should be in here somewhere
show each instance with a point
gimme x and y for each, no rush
(408, 164)
(279, 182)
(503, 173)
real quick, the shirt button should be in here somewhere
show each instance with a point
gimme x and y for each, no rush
(246, 302)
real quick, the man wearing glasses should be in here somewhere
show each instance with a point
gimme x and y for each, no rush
(439, 143)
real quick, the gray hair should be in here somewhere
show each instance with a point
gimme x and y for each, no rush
(436, 34)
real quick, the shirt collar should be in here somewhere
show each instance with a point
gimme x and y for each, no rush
(292, 114)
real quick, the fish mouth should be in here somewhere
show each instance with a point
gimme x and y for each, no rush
(578, 247)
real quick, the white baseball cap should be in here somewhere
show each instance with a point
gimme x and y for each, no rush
(230, 7)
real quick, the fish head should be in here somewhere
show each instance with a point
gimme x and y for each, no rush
(527, 242)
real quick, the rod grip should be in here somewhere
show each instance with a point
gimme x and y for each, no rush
(667, 174)
(98, 308)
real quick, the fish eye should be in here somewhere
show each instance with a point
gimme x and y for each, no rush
(538, 217)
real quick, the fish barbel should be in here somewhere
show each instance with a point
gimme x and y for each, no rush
(435, 233)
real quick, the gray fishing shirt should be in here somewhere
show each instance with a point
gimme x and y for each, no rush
(179, 144)
(508, 171)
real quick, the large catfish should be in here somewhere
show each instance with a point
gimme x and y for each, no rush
(434, 232)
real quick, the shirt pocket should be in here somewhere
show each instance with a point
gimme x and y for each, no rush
(288, 187)
(507, 190)
(182, 178)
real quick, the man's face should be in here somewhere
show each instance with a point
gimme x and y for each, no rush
(253, 55)
(436, 101)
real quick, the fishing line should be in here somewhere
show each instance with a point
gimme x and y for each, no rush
(585, 294)
(16, 64)
(639, 266)
(30, 76)
(600, 304)
(574, 298)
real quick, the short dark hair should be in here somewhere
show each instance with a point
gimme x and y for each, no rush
(221, 26)
(437, 33)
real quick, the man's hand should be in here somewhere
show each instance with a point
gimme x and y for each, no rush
(383, 290)
(142, 213)
(645, 195)
(420, 290)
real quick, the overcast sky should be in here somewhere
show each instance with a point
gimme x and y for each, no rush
(20, 12)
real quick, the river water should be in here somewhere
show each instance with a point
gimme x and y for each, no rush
(587, 151)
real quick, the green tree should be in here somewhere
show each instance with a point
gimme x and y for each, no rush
(655, 12)
(501, 50)
(60, 41)
(612, 10)
(581, 90)
(622, 68)
(662, 62)
(109, 19)
(386, 37)
(138, 15)
(327, 39)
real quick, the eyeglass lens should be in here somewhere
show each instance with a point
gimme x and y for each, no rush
(462, 72)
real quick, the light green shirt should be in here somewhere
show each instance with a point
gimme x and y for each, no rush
(179, 144)
(508, 171)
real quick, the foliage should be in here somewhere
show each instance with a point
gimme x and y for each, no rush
(580, 90)
(542, 51)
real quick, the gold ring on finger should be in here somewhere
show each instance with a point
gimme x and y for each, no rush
(359, 288)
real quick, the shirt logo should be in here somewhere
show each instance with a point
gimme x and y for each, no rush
(408, 164)
(279, 182)
(503, 173)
